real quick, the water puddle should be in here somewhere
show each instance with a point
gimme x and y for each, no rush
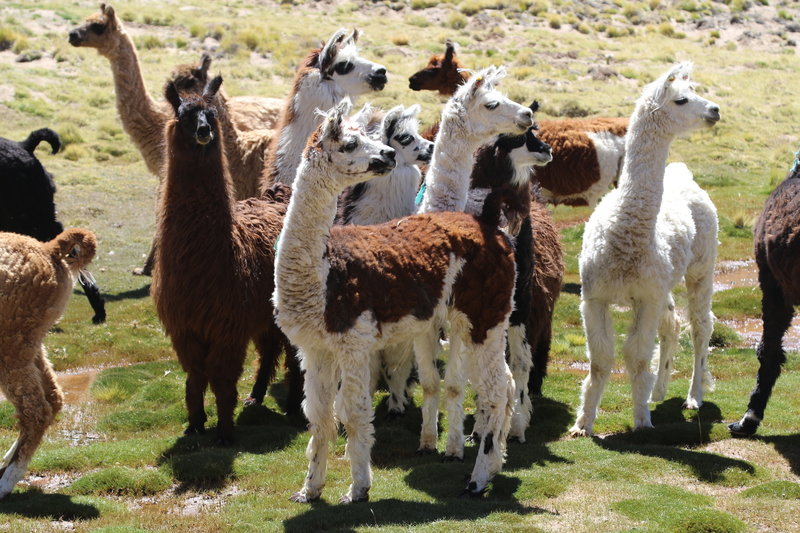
(733, 274)
(75, 384)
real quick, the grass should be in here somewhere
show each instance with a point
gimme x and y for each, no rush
(116, 461)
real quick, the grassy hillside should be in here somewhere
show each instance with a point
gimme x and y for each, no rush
(115, 460)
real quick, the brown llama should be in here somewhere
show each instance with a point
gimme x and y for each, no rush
(539, 260)
(777, 248)
(213, 273)
(36, 280)
(587, 153)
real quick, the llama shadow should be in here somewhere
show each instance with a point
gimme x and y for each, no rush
(571, 288)
(132, 294)
(198, 462)
(549, 423)
(788, 446)
(672, 433)
(33, 503)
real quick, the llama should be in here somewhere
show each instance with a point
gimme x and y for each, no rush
(27, 203)
(776, 250)
(213, 274)
(587, 153)
(323, 78)
(344, 292)
(539, 260)
(36, 280)
(656, 228)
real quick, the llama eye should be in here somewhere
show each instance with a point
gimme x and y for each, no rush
(681, 101)
(343, 67)
(404, 139)
(491, 105)
(350, 146)
(98, 28)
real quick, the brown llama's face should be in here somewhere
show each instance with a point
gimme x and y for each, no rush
(97, 30)
(443, 73)
(198, 120)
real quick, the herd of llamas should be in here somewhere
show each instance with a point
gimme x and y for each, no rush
(356, 245)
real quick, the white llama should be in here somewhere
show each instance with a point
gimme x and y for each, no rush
(344, 292)
(325, 77)
(656, 228)
(474, 115)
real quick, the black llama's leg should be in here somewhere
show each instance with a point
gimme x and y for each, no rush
(777, 314)
(92, 292)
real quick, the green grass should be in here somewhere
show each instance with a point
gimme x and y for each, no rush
(117, 461)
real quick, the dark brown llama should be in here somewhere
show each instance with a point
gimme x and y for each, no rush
(777, 248)
(213, 272)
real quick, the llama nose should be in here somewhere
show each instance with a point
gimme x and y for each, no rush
(381, 71)
(388, 154)
(74, 38)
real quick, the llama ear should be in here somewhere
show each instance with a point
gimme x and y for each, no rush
(390, 121)
(211, 89)
(329, 51)
(412, 111)
(172, 96)
(450, 51)
(534, 106)
(108, 11)
(205, 63)
(354, 36)
(336, 118)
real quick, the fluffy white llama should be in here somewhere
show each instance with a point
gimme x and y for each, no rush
(380, 200)
(656, 228)
(475, 114)
(344, 292)
(325, 77)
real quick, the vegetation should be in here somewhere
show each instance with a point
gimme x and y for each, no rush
(116, 461)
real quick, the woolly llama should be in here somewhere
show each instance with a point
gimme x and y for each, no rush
(587, 153)
(27, 201)
(538, 256)
(323, 78)
(656, 228)
(344, 292)
(213, 274)
(36, 280)
(777, 247)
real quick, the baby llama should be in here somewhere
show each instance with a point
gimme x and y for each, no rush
(344, 292)
(36, 280)
(655, 229)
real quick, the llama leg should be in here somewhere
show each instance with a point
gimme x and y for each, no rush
(455, 382)
(398, 365)
(320, 390)
(268, 346)
(668, 330)
(540, 356)
(192, 356)
(520, 361)
(92, 292)
(600, 351)
(638, 351)
(777, 315)
(494, 386)
(425, 348)
(354, 409)
(225, 363)
(52, 390)
(699, 291)
(294, 377)
(23, 388)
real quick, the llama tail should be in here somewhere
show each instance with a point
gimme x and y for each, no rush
(75, 246)
(501, 198)
(44, 134)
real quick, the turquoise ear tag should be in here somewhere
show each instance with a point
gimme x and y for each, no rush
(420, 195)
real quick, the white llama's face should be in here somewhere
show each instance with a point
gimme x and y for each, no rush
(489, 112)
(678, 108)
(340, 62)
(400, 130)
(350, 152)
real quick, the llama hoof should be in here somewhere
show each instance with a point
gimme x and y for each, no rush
(141, 271)
(99, 318)
(452, 459)
(691, 403)
(516, 439)
(349, 498)
(472, 491)
(658, 396)
(302, 497)
(250, 401)
(194, 430)
(746, 427)
(577, 431)
(425, 450)
(473, 438)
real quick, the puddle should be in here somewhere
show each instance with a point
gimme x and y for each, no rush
(733, 274)
(74, 383)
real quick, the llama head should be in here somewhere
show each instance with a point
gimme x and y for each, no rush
(525, 150)
(673, 105)
(348, 154)
(485, 111)
(98, 30)
(339, 62)
(443, 73)
(400, 130)
(75, 246)
(190, 78)
(196, 114)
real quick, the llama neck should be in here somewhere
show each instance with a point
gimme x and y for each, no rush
(387, 197)
(641, 182)
(447, 179)
(300, 268)
(311, 93)
(142, 117)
